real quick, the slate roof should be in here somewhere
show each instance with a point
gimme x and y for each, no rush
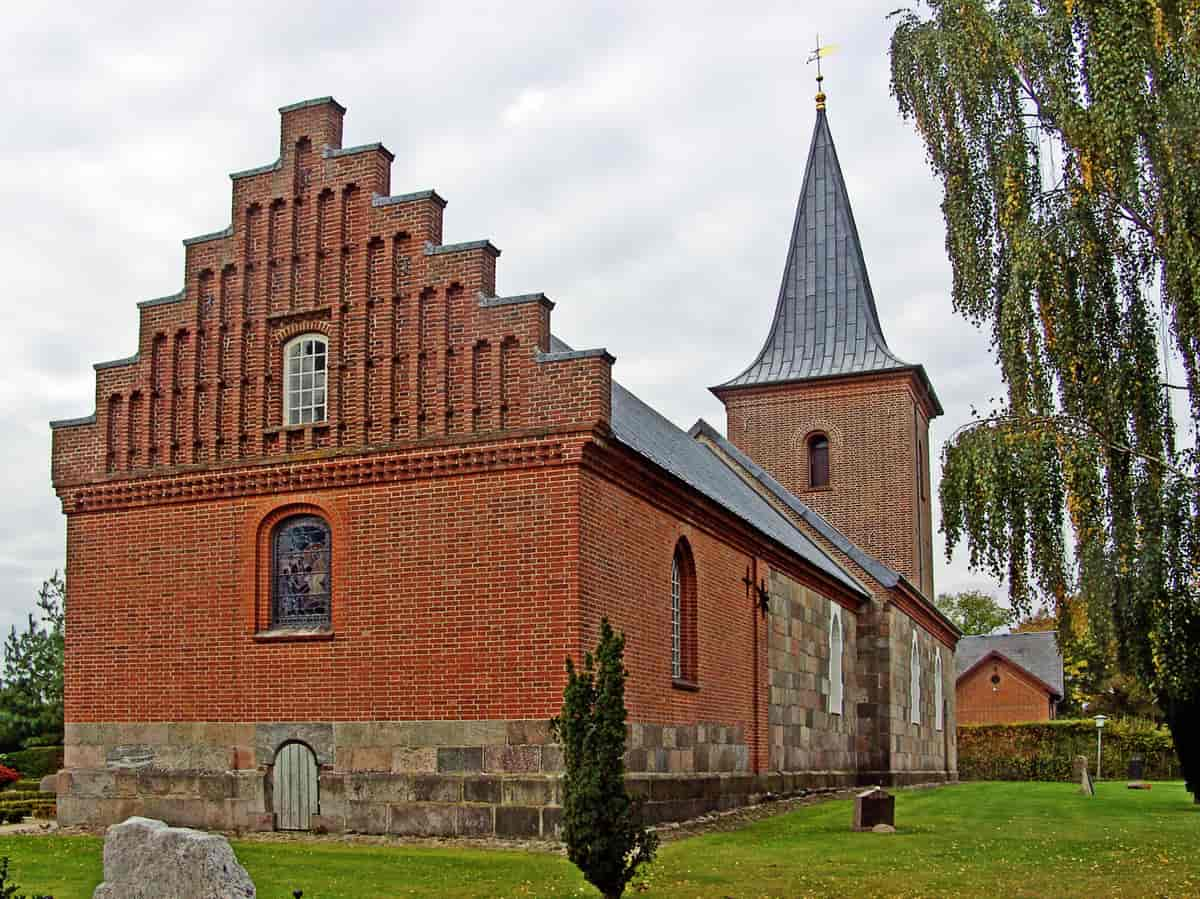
(653, 437)
(1037, 653)
(825, 321)
(868, 563)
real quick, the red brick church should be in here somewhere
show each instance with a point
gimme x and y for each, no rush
(335, 525)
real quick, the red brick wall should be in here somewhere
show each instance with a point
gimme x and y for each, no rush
(1015, 698)
(453, 598)
(873, 423)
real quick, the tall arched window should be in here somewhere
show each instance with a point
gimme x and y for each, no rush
(818, 461)
(301, 572)
(304, 369)
(836, 679)
(914, 688)
(683, 614)
(938, 696)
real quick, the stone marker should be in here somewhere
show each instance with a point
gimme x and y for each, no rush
(1138, 785)
(146, 859)
(1081, 774)
(873, 808)
(49, 784)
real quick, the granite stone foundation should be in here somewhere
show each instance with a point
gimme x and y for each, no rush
(431, 778)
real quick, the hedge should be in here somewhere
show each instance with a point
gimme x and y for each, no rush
(35, 763)
(23, 784)
(15, 812)
(1045, 750)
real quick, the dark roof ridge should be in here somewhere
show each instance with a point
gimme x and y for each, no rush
(878, 570)
(658, 440)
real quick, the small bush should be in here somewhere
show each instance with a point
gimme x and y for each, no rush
(35, 763)
(20, 795)
(24, 784)
(8, 776)
(8, 890)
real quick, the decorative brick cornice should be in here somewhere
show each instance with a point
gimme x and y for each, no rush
(631, 473)
(905, 597)
(289, 475)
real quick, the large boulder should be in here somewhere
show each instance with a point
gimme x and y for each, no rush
(146, 859)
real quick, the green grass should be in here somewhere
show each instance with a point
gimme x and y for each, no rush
(998, 840)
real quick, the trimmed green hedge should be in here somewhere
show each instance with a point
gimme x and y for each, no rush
(1045, 750)
(21, 785)
(35, 763)
(15, 812)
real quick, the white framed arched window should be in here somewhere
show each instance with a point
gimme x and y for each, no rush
(676, 619)
(938, 697)
(914, 687)
(304, 378)
(836, 676)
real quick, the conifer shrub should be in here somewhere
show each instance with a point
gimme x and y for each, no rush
(602, 826)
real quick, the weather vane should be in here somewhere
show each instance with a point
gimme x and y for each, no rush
(816, 55)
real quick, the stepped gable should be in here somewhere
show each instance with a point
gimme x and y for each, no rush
(825, 324)
(420, 347)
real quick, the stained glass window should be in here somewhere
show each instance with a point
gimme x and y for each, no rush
(301, 572)
(304, 387)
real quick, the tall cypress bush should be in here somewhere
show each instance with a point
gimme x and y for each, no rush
(602, 826)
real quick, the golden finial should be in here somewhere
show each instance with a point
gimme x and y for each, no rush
(817, 53)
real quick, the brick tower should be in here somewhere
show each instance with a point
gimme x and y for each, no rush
(826, 407)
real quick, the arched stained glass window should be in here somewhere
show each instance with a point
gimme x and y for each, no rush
(304, 379)
(818, 461)
(301, 572)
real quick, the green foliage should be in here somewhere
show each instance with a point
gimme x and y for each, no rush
(9, 890)
(602, 826)
(1046, 750)
(1064, 135)
(974, 611)
(31, 680)
(36, 762)
(23, 785)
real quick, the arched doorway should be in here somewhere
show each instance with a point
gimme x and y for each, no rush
(294, 787)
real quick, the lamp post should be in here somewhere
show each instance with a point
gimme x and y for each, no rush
(1099, 719)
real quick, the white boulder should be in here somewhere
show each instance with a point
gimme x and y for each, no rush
(146, 859)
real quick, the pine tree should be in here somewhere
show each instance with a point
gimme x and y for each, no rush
(602, 826)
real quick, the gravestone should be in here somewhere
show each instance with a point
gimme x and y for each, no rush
(1081, 774)
(146, 859)
(874, 809)
(1137, 769)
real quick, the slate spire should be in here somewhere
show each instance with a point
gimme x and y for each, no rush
(825, 322)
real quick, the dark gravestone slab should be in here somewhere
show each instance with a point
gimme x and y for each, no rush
(1137, 768)
(874, 807)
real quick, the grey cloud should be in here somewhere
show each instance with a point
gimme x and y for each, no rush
(640, 163)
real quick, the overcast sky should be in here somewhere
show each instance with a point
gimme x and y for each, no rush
(639, 163)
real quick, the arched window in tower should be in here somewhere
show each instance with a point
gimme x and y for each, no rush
(836, 679)
(304, 379)
(938, 695)
(818, 461)
(300, 572)
(683, 614)
(914, 687)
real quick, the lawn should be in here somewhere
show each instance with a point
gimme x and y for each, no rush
(980, 839)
